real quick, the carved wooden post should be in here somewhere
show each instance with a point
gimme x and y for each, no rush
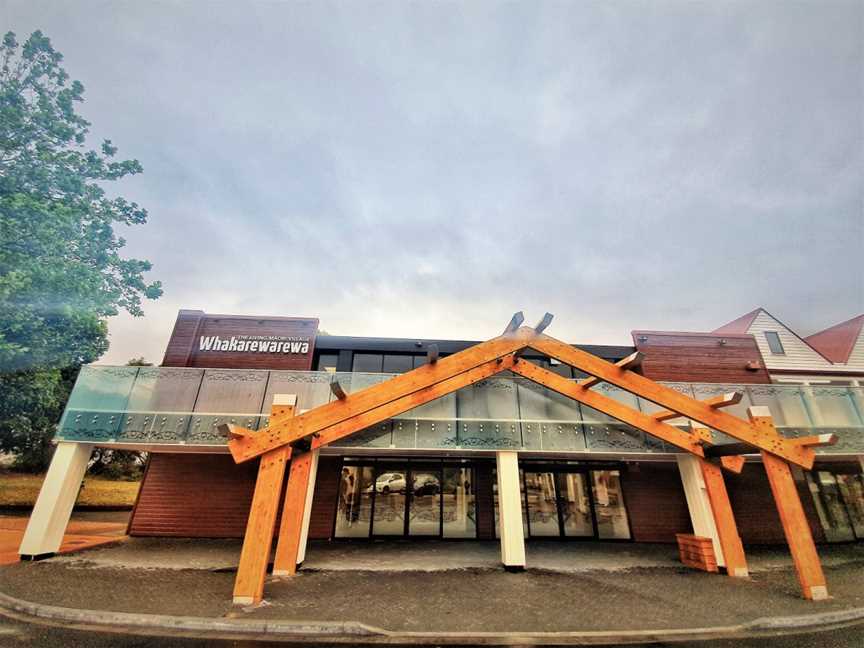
(795, 525)
(249, 583)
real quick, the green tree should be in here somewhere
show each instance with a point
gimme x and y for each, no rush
(61, 272)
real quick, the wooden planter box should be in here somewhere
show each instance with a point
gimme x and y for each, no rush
(697, 552)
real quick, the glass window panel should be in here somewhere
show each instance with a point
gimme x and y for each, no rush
(398, 363)
(542, 504)
(852, 491)
(609, 508)
(354, 508)
(786, 403)
(327, 362)
(312, 388)
(575, 503)
(839, 526)
(389, 517)
(829, 406)
(161, 403)
(98, 402)
(232, 391)
(539, 403)
(367, 362)
(425, 506)
(774, 343)
(460, 519)
(419, 360)
(102, 388)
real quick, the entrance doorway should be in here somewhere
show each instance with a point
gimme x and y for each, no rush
(566, 501)
(422, 499)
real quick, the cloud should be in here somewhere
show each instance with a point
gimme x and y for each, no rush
(425, 170)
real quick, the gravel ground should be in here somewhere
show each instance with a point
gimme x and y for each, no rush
(458, 600)
(389, 556)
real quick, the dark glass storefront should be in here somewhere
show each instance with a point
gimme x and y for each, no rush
(839, 499)
(383, 498)
(399, 498)
(569, 501)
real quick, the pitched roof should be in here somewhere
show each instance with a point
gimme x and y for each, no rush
(836, 343)
(740, 325)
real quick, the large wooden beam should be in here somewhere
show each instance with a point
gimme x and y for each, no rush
(673, 400)
(609, 406)
(252, 570)
(723, 400)
(315, 420)
(724, 520)
(288, 545)
(795, 526)
(630, 362)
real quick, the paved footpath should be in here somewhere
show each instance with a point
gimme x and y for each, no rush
(434, 604)
(84, 531)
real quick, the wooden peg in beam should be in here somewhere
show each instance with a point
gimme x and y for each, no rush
(432, 354)
(733, 463)
(337, 390)
(817, 440)
(630, 362)
(716, 402)
(544, 323)
(234, 431)
(515, 323)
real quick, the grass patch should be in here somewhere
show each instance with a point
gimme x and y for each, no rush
(19, 489)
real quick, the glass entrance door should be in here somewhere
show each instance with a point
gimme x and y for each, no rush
(574, 502)
(424, 515)
(574, 498)
(380, 499)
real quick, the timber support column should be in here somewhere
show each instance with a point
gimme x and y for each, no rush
(255, 555)
(792, 517)
(724, 520)
(510, 511)
(699, 504)
(296, 511)
(53, 508)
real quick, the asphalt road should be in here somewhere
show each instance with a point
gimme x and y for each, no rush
(15, 635)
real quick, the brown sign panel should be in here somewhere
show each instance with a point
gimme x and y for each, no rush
(241, 341)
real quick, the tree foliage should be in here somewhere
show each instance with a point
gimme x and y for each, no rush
(61, 271)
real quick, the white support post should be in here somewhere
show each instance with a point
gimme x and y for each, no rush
(510, 511)
(53, 508)
(701, 514)
(307, 511)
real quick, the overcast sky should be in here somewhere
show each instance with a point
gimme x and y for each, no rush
(426, 169)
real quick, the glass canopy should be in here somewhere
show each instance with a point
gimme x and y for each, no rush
(183, 406)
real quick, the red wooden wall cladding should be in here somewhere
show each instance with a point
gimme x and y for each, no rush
(208, 496)
(184, 348)
(700, 357)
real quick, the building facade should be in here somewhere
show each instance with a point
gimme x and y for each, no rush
(431, 472)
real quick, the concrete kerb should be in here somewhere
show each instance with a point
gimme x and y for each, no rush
(358, 633)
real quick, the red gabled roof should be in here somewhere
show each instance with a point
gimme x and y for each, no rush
(836, 343)
(739, 325)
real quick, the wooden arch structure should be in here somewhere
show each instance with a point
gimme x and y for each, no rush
(291, 438)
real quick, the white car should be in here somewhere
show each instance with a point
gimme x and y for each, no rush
(389, 482)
